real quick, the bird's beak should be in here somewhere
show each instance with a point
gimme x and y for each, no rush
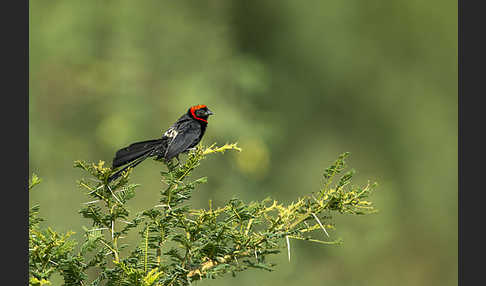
(210, 112)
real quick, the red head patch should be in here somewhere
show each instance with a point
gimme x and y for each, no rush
(197, 107)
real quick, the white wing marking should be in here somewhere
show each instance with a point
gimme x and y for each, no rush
(171, 132)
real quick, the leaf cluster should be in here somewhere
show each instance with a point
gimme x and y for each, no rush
(177, 244)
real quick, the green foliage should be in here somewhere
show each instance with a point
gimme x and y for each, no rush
(50, 251)
(178, 244)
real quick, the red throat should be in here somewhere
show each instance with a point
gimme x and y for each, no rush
(193, 112)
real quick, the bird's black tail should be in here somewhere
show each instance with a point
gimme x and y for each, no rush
(134, 155)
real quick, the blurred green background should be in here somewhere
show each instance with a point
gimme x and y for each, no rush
(295, 83)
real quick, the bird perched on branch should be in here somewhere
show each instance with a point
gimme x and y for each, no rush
(183, 135)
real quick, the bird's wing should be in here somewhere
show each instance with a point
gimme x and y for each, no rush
(185, 137)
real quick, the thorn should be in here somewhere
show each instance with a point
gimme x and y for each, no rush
(92, 202)
(95, 189)
(127, 222)
(318, 221)
(114, 195)
(95, 229)
(288, 245)
(160, 206)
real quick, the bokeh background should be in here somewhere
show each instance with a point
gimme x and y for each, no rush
(295, 83)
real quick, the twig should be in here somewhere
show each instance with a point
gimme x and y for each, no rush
(315, 240)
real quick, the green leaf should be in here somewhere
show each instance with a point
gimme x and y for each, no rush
(35, 180)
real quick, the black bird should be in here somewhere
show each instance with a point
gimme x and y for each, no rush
(183, 135)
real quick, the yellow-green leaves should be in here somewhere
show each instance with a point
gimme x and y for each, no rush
(178, 244)
(212, 149)
(34, 181)
(151, 277)
(36, 282)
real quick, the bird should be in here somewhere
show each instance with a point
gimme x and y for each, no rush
(181, 137)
